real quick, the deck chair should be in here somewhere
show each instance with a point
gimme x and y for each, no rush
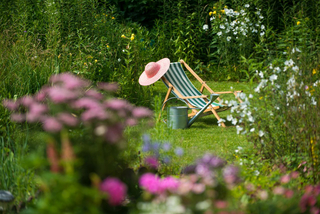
(181, 87)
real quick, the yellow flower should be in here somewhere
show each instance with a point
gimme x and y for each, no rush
(314, 71)
(108, 46)
(214, 7)
(214, 12)
(89, 57)
(85, 64)
(123, 36)
(222, 11)
(95, 61)
(298, 22)
(106, 15)
(132, 37)
(59, 56)
(112, 17)
(260, 98)
(210, 13)
(225, 6)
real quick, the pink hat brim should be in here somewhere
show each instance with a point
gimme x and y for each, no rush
(164, 66)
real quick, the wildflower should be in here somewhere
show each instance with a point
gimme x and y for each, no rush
(96, 61)
(119, 60)
(205, 27)
(247, 5)
(222, 26)
(11, 105)
(298, 22)
(112, 17)
(219, 33)
(166, 146)
(152, 162)
(261, 133)
(222, 11)
(252, 130)
(230, 174)
(210, 13)
(140, 112)
(51, 124)
(273, 77)
(314, 71)
(179, 151)
(108, 46)
(85, 64)
(228, 38)
(132, 37)
(116, 190)
(123, 36)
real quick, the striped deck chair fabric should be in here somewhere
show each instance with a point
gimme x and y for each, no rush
(179, 80)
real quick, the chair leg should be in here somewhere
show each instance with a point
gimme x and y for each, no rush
(218, 118)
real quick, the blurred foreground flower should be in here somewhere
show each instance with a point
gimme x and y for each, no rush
(116, 190)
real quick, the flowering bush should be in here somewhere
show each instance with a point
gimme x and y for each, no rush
(280, 118)
(234, 33)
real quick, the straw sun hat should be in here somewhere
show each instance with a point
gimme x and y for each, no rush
(154, 71)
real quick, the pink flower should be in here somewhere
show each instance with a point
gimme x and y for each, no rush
(307, 201)
(70, 81)
(11, 105)
(94, 94)
(67, 119)
(285, 179)
(289, 193)
(279, 190)
(169, 183)
(112, 87)
(87, 103)
(131, 122)
(150, 182)
(141, 112)
(51, 124)
(114, 133)
(93, 114)
(152, 162)
(60, 95)
(26, 101)
(116, 190)
(17, 118)
(117, 104)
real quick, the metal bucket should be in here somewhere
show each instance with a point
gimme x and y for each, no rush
(177, 117)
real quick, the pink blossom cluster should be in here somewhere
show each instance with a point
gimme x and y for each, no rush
(68, 101)
(115, 189)
(155, 185)
(309, 201)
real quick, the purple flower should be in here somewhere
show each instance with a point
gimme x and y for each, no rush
(38, 108)
(112, 87)
(166, 146)
(146, 139)
(230, 174)
(51, 124)
(203, 170)
(11, 105)
(178, 151)
(141, 112)
(116, 190)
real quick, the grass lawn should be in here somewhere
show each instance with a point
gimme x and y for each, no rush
(204, 136)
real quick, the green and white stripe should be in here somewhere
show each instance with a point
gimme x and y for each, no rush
(177, 77)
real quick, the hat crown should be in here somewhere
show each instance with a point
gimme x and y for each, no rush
(152, 69)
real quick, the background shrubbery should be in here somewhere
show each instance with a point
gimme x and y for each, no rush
(271, 45)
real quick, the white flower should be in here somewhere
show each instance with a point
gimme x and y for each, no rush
(262, 27)
(212, 18)
(222, 26)
(219, 33)
(256, 173)
(205, 27)
(261, 133)
(252, 130)
(289, 63)
(277, 69)
(284, 53)
(250, 96)
(229, 117)
(228, 38)
(247, 5)
(234, 121)
(272, 78)
(262, 33)
(261, 17)
(239, 129)
(221, 121)
(119, 60)
(295, 68)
